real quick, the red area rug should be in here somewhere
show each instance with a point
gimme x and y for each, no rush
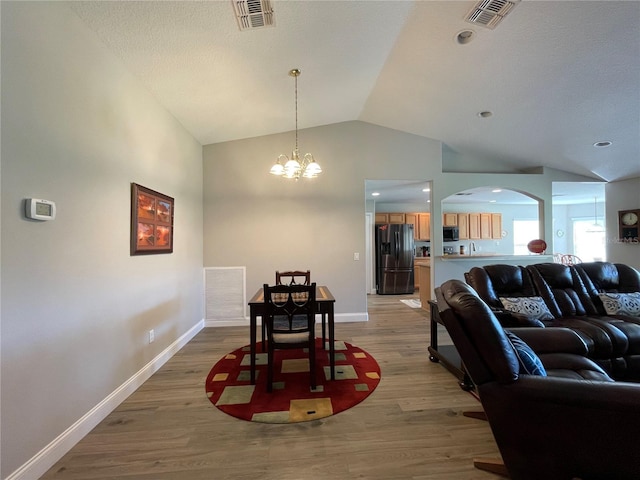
(292, 400)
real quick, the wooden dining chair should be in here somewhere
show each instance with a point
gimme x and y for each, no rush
(570, 259)
(299, 277)
(293, 277)
(289, 315)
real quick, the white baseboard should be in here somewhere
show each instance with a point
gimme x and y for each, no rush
(352, 317)
(49, 455)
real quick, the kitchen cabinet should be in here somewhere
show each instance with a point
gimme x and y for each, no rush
(412, 219)
(496, 226)
(421, 222)
(418, 262)
(382, 218)
(485, 226)
(474, 226)
(480, 226)
(423, 273)
(463, 226)
(396, 217)
(450, 220)
(424, 226)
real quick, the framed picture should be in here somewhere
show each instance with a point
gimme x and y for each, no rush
(151, 221)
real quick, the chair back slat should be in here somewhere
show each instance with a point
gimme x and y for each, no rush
(293, 277)
(289, 308)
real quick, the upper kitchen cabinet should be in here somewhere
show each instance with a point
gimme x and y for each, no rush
(496, 226)
(397, 218)
(463, 226)
(412, 219)
(382, 218)
(450, 219)
(485, 226)
(421, 222)
(474, 226)
(424, 226)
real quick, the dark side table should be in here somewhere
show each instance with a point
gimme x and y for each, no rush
(446, 354)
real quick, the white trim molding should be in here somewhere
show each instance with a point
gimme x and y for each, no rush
(54, 451)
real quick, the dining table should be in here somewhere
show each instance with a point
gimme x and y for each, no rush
(325, 305)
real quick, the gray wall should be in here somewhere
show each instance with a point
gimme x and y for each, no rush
(622, 195)
(76, 307)
(267, 223)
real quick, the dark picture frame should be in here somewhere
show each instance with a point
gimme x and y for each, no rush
(151, 221)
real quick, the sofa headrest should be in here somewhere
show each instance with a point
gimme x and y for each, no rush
(505, 278)
(604, 275)
(562, 289)
(500, 280)
(555, 274)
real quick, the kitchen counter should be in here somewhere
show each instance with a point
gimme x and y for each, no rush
(497, 256)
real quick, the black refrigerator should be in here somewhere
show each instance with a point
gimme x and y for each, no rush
(394, 259)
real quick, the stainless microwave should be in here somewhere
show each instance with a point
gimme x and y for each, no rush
(450, 234)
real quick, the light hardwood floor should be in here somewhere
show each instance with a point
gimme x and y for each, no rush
(410, 427)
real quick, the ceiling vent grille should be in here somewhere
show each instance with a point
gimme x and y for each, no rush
(253, 14)
(489, 13)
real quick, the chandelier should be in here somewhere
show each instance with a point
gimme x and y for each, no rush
(294, 167)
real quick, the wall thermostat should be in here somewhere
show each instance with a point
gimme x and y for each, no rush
(40, 209)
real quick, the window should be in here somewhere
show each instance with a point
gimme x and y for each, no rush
(523, 232)
(589, 240)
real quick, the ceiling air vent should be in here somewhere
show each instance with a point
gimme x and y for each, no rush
(253, 13)
(489, 13)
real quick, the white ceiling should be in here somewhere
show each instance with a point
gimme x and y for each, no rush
(557, 75)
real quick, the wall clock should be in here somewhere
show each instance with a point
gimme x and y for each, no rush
(629, 224)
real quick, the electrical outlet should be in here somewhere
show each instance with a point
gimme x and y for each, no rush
(356, 256)
(152, 336)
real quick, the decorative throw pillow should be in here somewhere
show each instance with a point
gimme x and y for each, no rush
(533, 307)
(621, 303)
(530, 363)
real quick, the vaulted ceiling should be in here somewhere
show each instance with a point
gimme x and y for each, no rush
(557, 76)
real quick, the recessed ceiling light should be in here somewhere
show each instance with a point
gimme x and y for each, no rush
(375, 194)
(426, 189)
(604, 144)
(485, 114)
(492, 201)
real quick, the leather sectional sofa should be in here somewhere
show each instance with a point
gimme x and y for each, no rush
(571, 423)
(577, 297)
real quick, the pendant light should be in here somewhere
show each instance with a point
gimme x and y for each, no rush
(294, 167)
(596, 227)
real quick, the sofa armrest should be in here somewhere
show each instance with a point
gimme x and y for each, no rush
(546, 427)
(552, 340)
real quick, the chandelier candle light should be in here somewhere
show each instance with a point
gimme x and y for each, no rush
(294, 167)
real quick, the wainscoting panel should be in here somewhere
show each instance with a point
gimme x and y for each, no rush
(225, 296)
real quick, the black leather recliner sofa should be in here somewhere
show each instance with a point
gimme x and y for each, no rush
(570, 296)
(546, 427)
